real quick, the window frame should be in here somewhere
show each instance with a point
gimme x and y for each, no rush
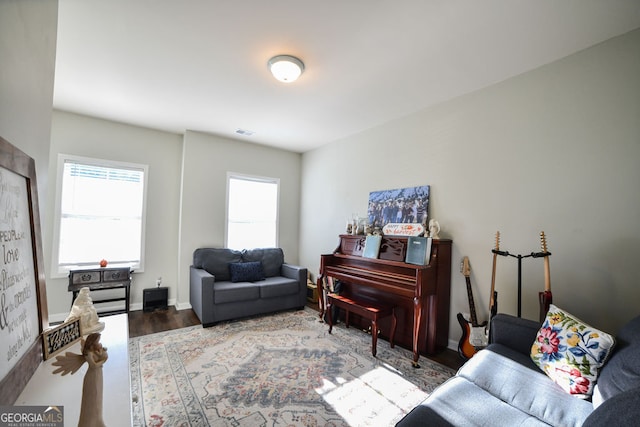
(245, 177)
(58, 271)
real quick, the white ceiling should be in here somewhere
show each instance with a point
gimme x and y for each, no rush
(201, 65)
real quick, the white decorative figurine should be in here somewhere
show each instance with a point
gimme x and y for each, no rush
(434, 229)
(92, 387)
(84, 310)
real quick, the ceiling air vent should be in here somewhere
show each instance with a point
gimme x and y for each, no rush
(244, 132)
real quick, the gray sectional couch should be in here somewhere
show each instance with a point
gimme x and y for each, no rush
(501, 386)
(228, 284)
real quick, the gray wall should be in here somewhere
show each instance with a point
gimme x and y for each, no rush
(207, 159)
(90, 137)
(555, 149)
(186, 200)
(28, 32)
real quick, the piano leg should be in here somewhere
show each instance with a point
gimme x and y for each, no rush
(417, 311)
(374, 336)
(322, 295)
(329, 314)
(393, 327)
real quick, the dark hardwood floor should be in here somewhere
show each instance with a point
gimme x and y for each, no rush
(145, 323)
(448, 358)
(150, 322)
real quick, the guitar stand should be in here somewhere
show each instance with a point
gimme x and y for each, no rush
(520, 257)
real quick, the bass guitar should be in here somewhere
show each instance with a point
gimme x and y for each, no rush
(546, 298)
(474, 335)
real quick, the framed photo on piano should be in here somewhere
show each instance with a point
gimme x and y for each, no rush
(402, 211)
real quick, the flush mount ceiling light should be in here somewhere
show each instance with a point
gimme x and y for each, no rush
(286, 68)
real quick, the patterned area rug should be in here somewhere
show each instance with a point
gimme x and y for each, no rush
(276, 370)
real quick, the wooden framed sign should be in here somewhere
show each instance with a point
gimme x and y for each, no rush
(23, 300)
(60, 337)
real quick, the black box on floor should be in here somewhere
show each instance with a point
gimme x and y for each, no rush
(155, 298)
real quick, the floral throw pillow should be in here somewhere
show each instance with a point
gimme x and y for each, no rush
(570, 352)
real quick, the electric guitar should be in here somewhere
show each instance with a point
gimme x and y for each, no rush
(546, 298)
(474, 335)
(493, 297)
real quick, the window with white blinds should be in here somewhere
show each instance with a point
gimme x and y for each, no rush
(100, 213)
(252, 212)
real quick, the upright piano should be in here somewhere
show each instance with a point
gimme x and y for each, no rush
(420, 293)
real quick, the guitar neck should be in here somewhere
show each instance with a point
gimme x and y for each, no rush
(492, 295)
(547, 275)
(493, 283)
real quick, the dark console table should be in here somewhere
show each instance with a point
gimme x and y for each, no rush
(100, 279)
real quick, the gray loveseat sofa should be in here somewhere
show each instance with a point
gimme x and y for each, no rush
(228, 284)
(501, 386)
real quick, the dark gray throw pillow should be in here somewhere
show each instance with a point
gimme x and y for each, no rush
(246, 271)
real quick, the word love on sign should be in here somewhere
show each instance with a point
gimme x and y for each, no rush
(60, 337)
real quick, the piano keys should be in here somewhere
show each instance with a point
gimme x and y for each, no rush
(420, 293)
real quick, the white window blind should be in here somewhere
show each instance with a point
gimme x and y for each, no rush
(252, 212)
(101, 213)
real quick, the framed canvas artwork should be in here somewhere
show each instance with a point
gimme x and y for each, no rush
(403, 211)
(23, 302)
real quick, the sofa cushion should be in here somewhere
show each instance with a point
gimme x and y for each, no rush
(630, 333)
(571, 352)
(621, 410)
(621, 372)
(246, 271)
(278, 286)
(216, 261)
(233, 292)
(514, 355)
(515, 332)
(271, 258)
(460, 402)
(525, 389)
(423, 415)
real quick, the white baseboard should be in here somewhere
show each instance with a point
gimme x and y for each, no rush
(60, 317)
(182, 305)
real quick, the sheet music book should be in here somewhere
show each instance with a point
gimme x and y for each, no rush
(372, 246)
(418, 250)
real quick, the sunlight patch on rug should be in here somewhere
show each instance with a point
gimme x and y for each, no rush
(282, 369)
(264, 382)
(378, 395)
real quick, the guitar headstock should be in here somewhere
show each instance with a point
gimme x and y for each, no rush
(497, 247)
(543, 242)
(465, 269)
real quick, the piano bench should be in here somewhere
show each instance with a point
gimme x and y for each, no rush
(369, 310)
